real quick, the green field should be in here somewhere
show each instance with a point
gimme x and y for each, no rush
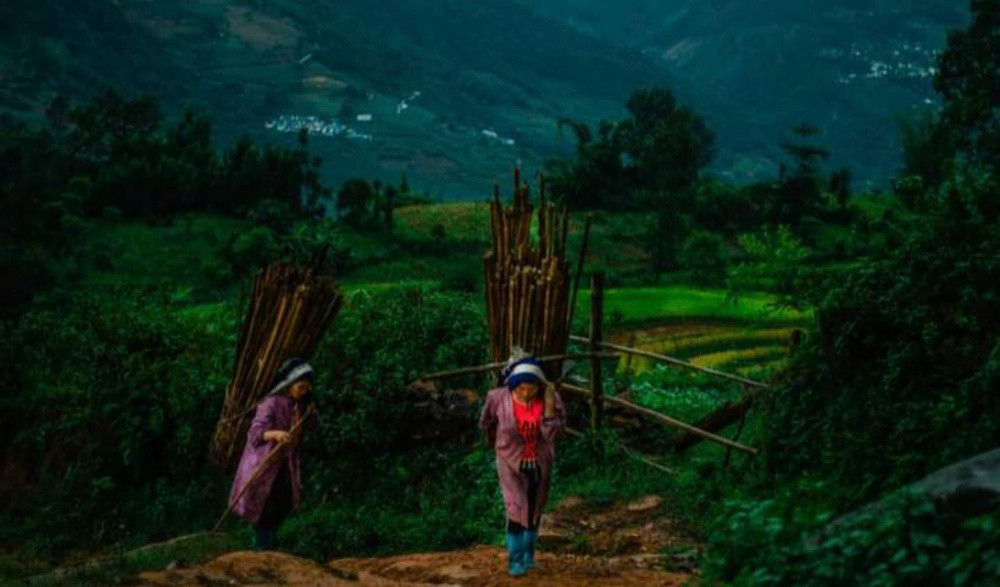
(692, 323)
(644, 305)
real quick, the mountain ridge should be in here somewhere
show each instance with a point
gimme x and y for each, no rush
(453, 94)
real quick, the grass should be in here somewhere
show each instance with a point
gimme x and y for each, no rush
(188, 251)
(737, 350)
(192, 550)
(465, 222)
(718, 338)
(721, 360)
(645, 305)
(615, 244)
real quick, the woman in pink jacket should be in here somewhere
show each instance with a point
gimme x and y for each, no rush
(265, 501)
(521, 420)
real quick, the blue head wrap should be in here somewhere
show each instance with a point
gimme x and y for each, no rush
(526, 370)
(290, 371)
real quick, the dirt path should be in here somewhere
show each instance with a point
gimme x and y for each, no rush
(580, 543)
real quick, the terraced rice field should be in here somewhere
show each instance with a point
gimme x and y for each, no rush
(702, 326)
(727, 347)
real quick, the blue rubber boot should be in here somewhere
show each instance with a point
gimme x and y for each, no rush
(530, 538)
(516, 547)
(263, 539)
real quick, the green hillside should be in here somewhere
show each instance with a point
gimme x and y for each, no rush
(510, 69)
(849, 68)
(484, 66)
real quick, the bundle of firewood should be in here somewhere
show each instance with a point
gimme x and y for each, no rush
(290, 310)
(527, 279)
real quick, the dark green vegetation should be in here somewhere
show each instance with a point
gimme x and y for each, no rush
(896, 379)
(117, 158)
(126, 239)
(488, 65)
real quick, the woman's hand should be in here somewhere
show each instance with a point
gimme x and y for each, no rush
(279, 436)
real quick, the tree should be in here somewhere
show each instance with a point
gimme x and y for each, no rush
(703, 254)
(667, 144)
(968, 78)
(664, 237)
(389, 201)
(354, 201)
(927, 148)
(840, 187)
(799, 193)
(655, 153)
(904, 353)
(594, 178)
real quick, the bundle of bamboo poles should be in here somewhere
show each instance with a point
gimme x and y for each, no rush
(290, 309)
(527, 284)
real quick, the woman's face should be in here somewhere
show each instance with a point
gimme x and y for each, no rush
(527, 390)
(300, 388)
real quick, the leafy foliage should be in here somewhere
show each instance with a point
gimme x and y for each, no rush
(655, 153)
(908, 544)
(968, 82)
(897, 377)
(119, 153)
(110, 402)
(774, 261)
(704, 255)
(116, 157)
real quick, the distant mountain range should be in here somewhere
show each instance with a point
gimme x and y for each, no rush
(453, 93)
(852, 68)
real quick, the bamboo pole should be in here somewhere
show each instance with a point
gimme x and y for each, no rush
(289, 311)
(596, 321)
(500, 364)
(664, 419)
(629, 452)
(579, 273)
(522, 281)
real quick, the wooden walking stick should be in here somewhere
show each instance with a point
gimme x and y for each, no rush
(292, 438)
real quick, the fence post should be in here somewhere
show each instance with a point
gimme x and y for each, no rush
(596, 319)
(736, 437)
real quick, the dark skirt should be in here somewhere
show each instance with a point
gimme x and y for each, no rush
(534, 480)
(279, 500)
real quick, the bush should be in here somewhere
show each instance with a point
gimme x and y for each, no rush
(909, 543)
(110, 404)
(898, 375)
(704, 255)
(380, 342)
(116, 402)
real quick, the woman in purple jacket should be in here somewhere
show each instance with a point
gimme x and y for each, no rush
(521, 423)
(274, 493)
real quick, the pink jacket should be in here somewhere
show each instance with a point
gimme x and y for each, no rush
(498, 424)
(274, 412)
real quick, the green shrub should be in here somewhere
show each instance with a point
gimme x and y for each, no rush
(704, 255)
(896, 379)
(110, 403)
(908, 543)
(115, 398)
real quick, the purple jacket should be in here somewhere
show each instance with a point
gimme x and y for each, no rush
(274, 412)
(498, 424)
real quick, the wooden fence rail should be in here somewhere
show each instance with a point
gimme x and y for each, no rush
(499, 365)
(664, 419)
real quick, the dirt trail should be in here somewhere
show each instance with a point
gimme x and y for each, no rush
(581, 543)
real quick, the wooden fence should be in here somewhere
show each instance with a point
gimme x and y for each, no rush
(593, 391)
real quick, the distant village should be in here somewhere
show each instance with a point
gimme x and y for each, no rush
(315, 125)
(905, 60)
